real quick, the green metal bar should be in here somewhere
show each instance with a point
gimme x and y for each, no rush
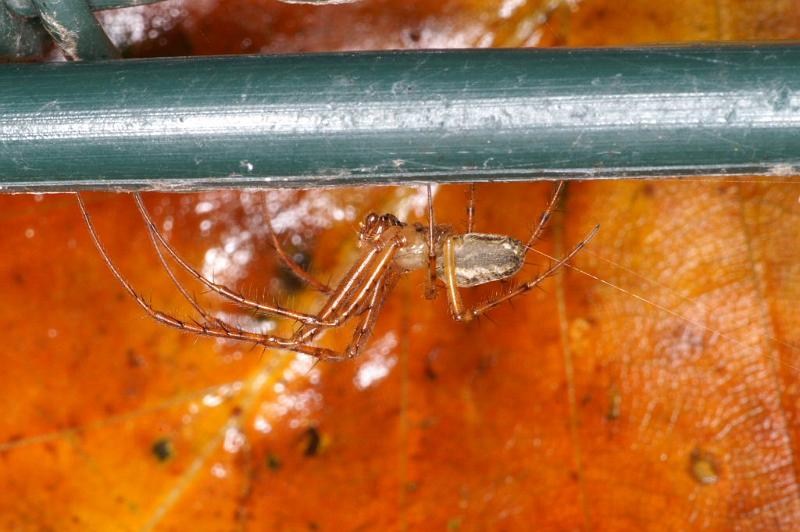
(393, 117)
(72, 25)
(26, 8)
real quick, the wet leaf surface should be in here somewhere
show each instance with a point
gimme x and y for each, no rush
(653, 386)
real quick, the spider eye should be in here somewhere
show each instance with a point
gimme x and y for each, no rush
(368, 226)
(369, 221)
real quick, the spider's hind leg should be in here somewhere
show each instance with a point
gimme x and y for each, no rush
(546, 214)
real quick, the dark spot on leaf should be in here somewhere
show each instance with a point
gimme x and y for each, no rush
(430, 360)
(135, 360)
(312, 441)
(290, 282)
(703, 466)
(163, 450)
(14, 438)
(273, 462)
(614, 404)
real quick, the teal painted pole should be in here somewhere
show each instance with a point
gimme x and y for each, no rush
(28, 9)
(74, 28)
(394, 117)
(19, 36)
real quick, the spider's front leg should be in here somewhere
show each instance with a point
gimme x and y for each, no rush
(358, 285)
(214, 328)
(371, 311)
(355, 294)
(220, 289)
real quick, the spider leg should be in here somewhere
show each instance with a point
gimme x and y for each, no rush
(365, 304)
(471, 208)
(184, 292)
(372, 309)
(295, 268)
(220, 289)
(430, 281)
(229, 332)
(349, 294)
(545, 217)
(454, 296)
(358, 285)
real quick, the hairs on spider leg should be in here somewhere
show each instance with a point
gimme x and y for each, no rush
(263, 353)
(545, 230)
(507, 285)
(486, 316)
(188, 296)
(529, 247)
(511, 304)
(313, 365)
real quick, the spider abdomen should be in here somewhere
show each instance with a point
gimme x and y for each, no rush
(483, 258)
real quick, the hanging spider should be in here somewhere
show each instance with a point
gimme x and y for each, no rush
(391, 248)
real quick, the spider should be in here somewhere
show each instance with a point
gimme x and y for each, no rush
(391, 248)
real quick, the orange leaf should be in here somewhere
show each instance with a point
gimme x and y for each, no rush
(651, 386)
